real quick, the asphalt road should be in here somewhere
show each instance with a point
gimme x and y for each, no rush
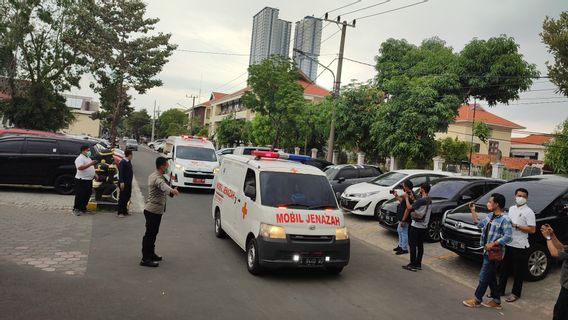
(203, 277)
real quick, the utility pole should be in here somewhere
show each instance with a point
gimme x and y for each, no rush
(337, 84)
(472, 127)
(192, 111)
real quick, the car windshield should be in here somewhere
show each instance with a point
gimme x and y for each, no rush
(331, 172)
(300, 191)
(388, 179)
(131, 141)
(541, 194)
(446, 189)
(195, 153)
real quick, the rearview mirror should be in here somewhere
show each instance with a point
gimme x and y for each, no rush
(250, 192)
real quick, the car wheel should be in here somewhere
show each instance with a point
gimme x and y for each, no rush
(65, 184)
(253, 265)
(433, 233)
(219, 232)
(538, 262)
(378, 210)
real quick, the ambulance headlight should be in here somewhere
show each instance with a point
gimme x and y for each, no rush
(180, 167)
(341, 234)
(216, 170)
(272, 232)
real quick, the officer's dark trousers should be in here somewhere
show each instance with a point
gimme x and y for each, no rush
(83, 190)
(152, 228)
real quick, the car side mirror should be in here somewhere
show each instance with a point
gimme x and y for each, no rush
(341, 180)
(250, 192)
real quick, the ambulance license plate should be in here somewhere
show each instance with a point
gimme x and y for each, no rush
(311, 261)
(198, 180)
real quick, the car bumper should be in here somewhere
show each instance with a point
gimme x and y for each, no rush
(206, 182)
(362, 207)
(280, 253)
(388, 220)
(462, 247)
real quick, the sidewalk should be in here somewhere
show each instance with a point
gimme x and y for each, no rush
(538, 297)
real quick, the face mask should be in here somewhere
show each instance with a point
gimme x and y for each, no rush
(520, 201)
(168, 170)
(88, 154)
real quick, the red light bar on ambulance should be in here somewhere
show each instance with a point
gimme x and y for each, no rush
(187, 136)
(277, 155)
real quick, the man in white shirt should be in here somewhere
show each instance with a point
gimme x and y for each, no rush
(83, 180)
(515, 260)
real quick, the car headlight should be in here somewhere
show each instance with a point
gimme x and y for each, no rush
(179, 167)
(365, 195)
(341, 233)
(272, 232)
(216, 170)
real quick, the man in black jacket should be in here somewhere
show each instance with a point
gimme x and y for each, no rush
(125, 175)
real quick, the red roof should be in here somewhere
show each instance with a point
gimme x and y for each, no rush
(465, 114)
(509, 162)
(539, 139)
(309, 88)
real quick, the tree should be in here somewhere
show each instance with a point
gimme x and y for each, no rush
(356, 111)
(313, 125)
(138, 123)
(556, 153)
(231, 131)
(40, 60)
(555, 36)
(275, 94)
(121, 54)
(172, 122)
(426, 84)
(453, 151)
(481, 130)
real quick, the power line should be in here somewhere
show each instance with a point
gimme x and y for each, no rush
(342, 7)
(391, 10)
(365, 8)
(336, 32)
(226, 83)
(213, 52)
(538, 102)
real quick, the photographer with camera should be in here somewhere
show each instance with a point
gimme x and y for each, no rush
(402, 228)
(560, 252)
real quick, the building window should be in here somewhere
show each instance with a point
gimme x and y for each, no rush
(493, 147)
(476, 147)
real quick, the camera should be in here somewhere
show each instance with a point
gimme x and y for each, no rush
(392, 191)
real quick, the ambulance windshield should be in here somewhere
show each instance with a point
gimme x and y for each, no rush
(195, 153)
(299, 191)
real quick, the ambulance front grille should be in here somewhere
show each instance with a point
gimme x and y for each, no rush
(307, 238)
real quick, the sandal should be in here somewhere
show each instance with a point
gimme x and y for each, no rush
(512, 298)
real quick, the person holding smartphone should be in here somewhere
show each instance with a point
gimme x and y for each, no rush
(560, 252)
(402, 228)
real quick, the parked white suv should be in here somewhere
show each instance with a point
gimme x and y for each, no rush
(367, 198)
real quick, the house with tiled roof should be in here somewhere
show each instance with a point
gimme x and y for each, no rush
(530, 147)
(500, 130)
(201, 113)
(232, 104)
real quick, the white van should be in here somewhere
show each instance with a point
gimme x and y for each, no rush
(281, 212)
(193, 161)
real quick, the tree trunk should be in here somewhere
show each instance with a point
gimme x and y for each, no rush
(115, 116)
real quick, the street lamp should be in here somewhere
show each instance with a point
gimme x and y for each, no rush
(334, 94)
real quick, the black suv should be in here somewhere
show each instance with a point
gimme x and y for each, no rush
(548, 198)
(446, 194)
(344, 175)
(40, 161)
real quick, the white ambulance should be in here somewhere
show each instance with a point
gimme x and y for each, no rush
(193, 161)
(281, 212)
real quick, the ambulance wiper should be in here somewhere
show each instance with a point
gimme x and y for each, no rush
(294, 205)
(320, 207)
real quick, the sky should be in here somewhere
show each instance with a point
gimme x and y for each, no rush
(225, 26)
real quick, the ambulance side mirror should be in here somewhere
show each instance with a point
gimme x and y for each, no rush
(250, 192)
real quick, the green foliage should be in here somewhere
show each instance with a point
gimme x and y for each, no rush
(312, 130)
(231, 131)
(275, 94)
(481, 130)
(39, 60)
(426, 84)
(422, 98)
(122, 55)
(172, 122)
(493, 70)
(453, 151)
(138, 124)
(556, 154)
(356, 111)
(555, 36)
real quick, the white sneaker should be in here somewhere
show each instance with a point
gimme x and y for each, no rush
(121, 216)
(76, 212)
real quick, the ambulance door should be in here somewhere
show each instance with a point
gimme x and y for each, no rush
(223, 188)
(248, 205)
